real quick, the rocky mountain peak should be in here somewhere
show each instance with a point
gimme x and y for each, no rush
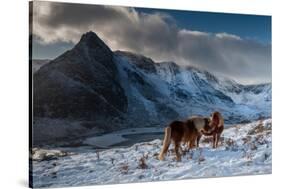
(92, 41)
(94, 48)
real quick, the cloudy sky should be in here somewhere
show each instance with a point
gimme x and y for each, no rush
(232, 45)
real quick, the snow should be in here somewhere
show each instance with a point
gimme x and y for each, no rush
(246, 149)
(45, 154)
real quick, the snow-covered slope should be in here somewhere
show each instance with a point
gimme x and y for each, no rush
(245, 149)
(188, 90)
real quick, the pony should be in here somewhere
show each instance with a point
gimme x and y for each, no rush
(217, 127)
(202, 125)
(188, 132)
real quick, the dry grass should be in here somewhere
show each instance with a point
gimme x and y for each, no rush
(247, 155)
(155, 155)
(98, 155)
(124, 168)
(112, 161)
(261, 140)
(229, 142)
(253, 146)
(142, 162)
(247, 139)
(260, 128)
(266, 156)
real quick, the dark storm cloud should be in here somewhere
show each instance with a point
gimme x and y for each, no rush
(155, 35)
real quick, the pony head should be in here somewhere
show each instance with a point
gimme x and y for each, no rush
(207, 128)
(215, 120)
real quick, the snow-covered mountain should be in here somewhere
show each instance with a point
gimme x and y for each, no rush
(98, 90)
(188, 90)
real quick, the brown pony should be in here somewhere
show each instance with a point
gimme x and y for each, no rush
(202, 125)
(186, 132)
(217, 126)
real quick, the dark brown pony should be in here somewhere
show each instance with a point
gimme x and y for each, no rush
(217, 127)
(187, 132)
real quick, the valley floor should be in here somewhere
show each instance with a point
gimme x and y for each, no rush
(245, 149)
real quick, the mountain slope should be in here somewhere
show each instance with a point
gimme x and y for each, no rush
(80, 83)
(38, 63)
(188, 90)
(80, 86)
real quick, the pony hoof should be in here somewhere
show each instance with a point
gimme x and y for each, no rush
(178, 159)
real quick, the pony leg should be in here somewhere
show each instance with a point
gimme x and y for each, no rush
(217, 139)
(188, 146)
(214, 140)
(191, 144)
(198, 140)
(178, 156)
(166, 143)
(182, 146)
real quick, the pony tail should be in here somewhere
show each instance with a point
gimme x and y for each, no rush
(166, 143)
